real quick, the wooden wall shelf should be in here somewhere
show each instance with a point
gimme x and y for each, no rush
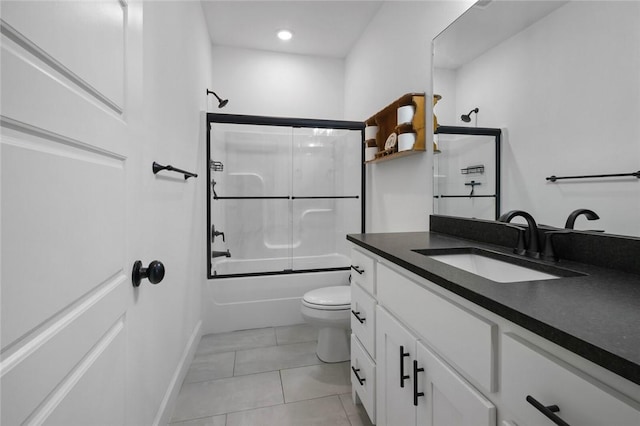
(387, 122)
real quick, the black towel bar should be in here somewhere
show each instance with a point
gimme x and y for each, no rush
(158, 167)
(555, 178)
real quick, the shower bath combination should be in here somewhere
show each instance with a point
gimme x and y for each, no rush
(285, 192)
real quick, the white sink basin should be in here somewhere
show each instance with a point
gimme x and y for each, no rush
(492, 269)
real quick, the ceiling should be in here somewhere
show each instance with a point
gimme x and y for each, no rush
(460, 43)
(320, 28)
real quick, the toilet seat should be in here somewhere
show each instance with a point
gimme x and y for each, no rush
(329, 298)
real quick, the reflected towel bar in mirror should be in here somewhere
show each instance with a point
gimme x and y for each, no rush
(555, 178)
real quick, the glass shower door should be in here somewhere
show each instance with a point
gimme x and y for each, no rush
(282, 196)
(251, 202)
(326, 189)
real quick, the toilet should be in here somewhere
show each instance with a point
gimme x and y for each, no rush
(328, 309)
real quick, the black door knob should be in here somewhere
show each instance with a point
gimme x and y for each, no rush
(154, 272)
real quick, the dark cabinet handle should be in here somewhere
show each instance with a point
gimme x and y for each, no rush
(357, 269)
(357, 315)
(416, 394)
(155, 272)
(355, 371)
(403, 377)
(548, 410)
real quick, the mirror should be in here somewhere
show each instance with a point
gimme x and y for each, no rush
(562, 81)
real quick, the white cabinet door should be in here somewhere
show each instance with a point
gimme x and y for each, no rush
(395, 351)
(445, 398)
(532, 376)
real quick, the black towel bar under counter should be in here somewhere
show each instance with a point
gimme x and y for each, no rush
(555, 178)
(158, 167)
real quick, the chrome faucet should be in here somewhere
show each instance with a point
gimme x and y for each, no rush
(531, 236)
(590, 214)
(215, 253)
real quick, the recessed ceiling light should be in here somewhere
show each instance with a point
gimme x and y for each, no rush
(285, 35)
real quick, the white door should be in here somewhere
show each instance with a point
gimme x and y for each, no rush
(395, 352)
(70, 82)
(447, 399)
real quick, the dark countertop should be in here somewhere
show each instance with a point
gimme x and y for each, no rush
(596, 315)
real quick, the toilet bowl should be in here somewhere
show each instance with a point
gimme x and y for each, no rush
(328, 310)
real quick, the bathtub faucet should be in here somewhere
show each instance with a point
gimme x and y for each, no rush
(215, 253)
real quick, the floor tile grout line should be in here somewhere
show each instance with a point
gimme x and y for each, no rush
(278, 369)
(284, 403)
(199, 418)
(345, 408)
(284, 400)
(233, 370)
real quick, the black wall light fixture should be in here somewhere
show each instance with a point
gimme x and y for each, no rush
(221, 102)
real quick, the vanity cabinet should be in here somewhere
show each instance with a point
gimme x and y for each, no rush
(363, 331)
(530, 372)
(415, 387)
(449, 400)
(395, 349)
(441, 360)
(363, 271)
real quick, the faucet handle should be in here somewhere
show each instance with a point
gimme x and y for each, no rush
(520, 246)
(548, 252)
(215, 233)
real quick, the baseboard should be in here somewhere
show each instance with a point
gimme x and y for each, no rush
(163, 416)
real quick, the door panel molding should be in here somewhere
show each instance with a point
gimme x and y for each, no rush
(38, 139)
(60, 395)
(61, 208)
(34, 367)
(55, 32)
(42, 98)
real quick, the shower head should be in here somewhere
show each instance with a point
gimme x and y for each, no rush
(467, 117)
(221, 102)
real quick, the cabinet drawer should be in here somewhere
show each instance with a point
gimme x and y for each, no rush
(528, 370)
(363, 270)
(462, 338)
(363, 319)
(365, 368)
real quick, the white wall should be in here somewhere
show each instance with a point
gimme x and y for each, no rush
(391, 58)
(570, 109)
(169, 214)
(274, 84)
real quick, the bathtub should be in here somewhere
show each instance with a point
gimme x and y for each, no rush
(240, 303)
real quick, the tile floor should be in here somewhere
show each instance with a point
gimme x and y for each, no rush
(264, 377)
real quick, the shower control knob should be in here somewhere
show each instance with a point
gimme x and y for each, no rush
(154, 272)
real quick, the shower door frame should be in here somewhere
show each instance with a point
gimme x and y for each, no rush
(478, 131)
(281, 122)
